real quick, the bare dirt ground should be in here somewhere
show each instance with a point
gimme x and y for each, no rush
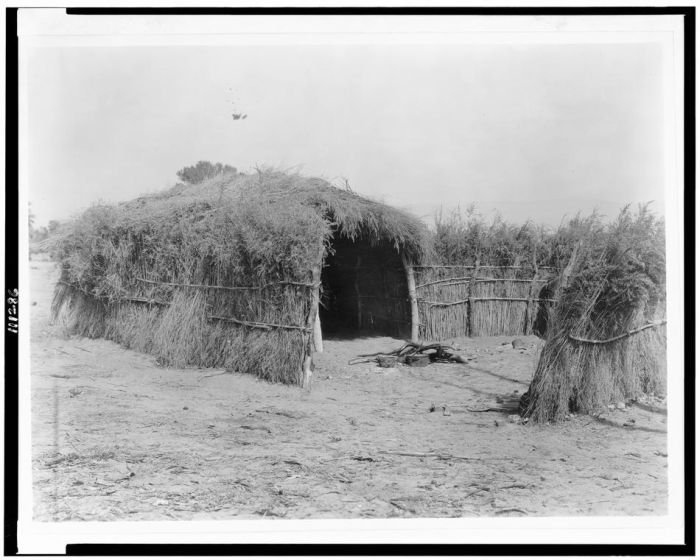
(115, 437)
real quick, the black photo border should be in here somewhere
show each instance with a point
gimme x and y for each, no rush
(582, 549)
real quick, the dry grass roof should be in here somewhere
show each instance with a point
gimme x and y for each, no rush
(285, 195)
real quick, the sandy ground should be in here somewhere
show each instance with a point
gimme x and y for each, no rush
(115, 437)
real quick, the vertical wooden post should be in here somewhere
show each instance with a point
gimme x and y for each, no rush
(318, 336)
(530, 297)
(470, 299)
(311, 321)
(411, 281)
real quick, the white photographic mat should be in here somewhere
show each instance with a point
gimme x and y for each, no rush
(528, 117)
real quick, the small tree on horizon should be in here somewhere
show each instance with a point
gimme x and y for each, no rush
(202, 171)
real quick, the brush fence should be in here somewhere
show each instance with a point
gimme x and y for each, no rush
(480, 300)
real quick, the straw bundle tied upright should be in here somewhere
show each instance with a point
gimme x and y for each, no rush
(606, 338)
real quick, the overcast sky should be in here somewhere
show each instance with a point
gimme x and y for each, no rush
(535, 132)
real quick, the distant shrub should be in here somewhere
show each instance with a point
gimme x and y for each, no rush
(204, 170)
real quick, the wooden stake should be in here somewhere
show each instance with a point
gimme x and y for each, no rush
(529, 310)
(411, 281)
(470, 292)
(311, 321)
(318, 336)
(306, 382)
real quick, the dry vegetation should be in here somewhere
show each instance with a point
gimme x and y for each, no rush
(606, 339)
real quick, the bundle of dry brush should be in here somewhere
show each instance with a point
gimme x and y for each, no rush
(606, 338)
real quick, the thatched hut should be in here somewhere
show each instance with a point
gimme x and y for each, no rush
(239, 272)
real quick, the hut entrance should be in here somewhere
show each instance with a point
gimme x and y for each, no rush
(364, 291)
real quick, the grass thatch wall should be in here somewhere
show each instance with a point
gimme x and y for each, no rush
(480, 301)
(216, 274)
(606, 340)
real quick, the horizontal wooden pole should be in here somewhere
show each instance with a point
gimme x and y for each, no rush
(121, 298)
(466, 279)
(523, 280)
(447, 284)
(232, 288)
(442, 303)
(513, 299)
(63, 282)
(468, 300)
(619, 337)
(482, 266)
(146, 300)
(456, 280)
(258, 325)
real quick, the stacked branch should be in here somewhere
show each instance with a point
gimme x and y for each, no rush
(409, 352)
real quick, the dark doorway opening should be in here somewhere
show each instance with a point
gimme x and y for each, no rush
(364, 291)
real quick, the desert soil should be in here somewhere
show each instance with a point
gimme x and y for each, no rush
(116, 437)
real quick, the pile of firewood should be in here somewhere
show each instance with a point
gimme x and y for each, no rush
(412, 354)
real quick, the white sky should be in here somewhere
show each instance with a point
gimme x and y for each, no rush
(534, 131)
